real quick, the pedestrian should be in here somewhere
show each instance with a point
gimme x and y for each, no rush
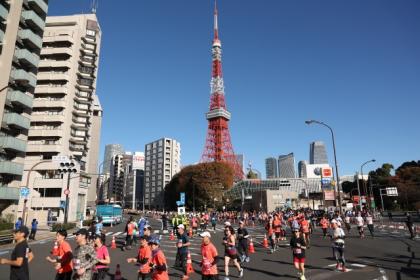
(277, 230)
(209, 258)
(243, 236)
(305, 231)
(270, 233)
(147, 232)
(347, 223)
(129, 229)
(21, 255)
(143, 259)
(337, 237)
(214, 222)
(409, 224)
(324, 225)
(102, 266)
(18, 223)
(229, 241)
(99, 229)
(63, 261)
(369, 222)
(298, 246)
(360, 225)
(34, 228)
(159, 265)
(182, 251)
(84, 257)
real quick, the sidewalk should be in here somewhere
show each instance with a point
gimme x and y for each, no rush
(42, 233)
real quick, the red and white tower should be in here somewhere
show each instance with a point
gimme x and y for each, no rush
(218, 144)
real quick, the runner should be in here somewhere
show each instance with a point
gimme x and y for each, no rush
(101, 268)
(129, 229)
(158, 264)
(360, 222)
(324, 226)
(230, 251)
(277, 230)
(243, 236)
(144, 258)
(369, 222)
(62, 262)
(209, 258)
(298, 246)
(182, 251)
(338, 245)
(270, 234)
(21, 255)
(347, 223)
(214, 222)
(305, 231)
(84, 258)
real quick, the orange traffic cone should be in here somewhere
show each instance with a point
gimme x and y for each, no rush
(55, 249)
(113, 244)
(251, 248)
(117, 275)
(190, 268)
(190, 233)
(265, 241)
(172, 237)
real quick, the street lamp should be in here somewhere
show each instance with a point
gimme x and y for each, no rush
(335, 159)
(67, 167)
(363, 180)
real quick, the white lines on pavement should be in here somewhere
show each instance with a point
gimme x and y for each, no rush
(358, 265)
(108, 233)
(117, 233)
(331, 265)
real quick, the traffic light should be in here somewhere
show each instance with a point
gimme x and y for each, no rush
(67, 167)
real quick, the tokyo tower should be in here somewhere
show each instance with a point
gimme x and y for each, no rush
(218, 145)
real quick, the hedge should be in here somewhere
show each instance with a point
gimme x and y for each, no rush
(58, 226)
(6, 226)
(87, 223)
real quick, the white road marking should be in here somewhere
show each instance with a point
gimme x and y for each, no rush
(358, 265)
(117, 233)
(108, 233)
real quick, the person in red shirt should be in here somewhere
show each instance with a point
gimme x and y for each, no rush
(144, 259)
(324, 225)
(304, 226)
(63, 262)
(270, 234)
(101, 268)
(277, 230)
(209, 258)
(158, 264)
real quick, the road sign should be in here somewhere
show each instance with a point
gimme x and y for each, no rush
(66, 192)
(326, 172)
(60, 158)
(62, 204)
(182, 198)
(181, 210)
(24, 192)
(392, 191)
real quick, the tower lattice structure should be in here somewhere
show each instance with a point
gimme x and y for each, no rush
(218, 145)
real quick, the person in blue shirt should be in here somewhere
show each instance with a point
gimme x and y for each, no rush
(34, 228)
(99, 226)
(141, 224)
(18, 223)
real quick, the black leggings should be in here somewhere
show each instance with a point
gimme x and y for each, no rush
(100, 274)
(243, 247)
(338, 250)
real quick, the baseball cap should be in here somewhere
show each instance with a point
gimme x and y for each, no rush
(227, 224)
(334, 221)
(24, 230)
(82, 231)
(154, 240)
(181, 226)
(205, 234)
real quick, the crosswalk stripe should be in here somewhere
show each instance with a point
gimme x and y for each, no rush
(117, 233)
(108, 233)
(358, 265)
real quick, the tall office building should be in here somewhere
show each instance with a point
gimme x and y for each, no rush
(302, 168)
(317, 153)
(111, 150)
(287, 166)
(162, 162)
(134, 183)
(66, 116)
(22, 26)
(271, 169)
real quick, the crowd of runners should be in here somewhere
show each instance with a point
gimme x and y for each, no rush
(91, 260)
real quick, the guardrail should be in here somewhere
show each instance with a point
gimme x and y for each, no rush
(6, 236)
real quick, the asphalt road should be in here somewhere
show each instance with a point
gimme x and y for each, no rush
(390, 255)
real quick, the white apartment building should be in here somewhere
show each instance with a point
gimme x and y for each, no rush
(66, 118)
(162, 162)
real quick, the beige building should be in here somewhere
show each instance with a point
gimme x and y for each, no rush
(21, 28)
(162, 162)
(66, 119)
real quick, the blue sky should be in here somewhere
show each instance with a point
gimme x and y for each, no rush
(352, 64)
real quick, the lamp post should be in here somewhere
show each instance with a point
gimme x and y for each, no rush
(363, 180)
(335, 159)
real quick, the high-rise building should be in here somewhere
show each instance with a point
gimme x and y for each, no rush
(302, 168)
(22, 26)
(111, 150)
(134, 183)
(287, 166)
(162, 162)
(66, 115)
(271, 169)
(317, 153)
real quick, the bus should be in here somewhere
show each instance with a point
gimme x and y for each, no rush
(110, 213)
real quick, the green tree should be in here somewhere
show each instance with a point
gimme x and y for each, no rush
(251, 175)
(203, 184)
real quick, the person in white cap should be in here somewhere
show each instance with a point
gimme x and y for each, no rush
(209, 258)
(182, 251)
(338, 245)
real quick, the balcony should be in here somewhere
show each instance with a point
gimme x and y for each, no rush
(46, 202)
(3, 12)
(79, 127)
(12, 143)
(51, 89)
(39, 6)
(33, 20)
(41, 148)
(47, 118)
(12, 168)
(45, 133)
(58, 38)
(16, 120)
(24, 77)
(20, 99)
(9, 193)
(54, 63)
(42, 103)
(27, 58)
(53, 76)
(30, 38)
(1, 35)
(52, 50)
(80, 113)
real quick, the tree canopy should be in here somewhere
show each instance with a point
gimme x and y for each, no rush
(206, 182)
